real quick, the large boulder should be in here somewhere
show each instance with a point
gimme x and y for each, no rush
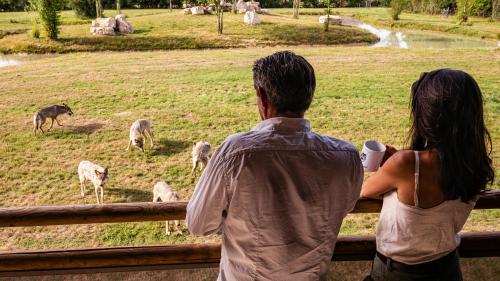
(103, 26)
(251, 18)
(187, 11)
(198, 10)
(335, 20)
(241, 6)
(123, 25)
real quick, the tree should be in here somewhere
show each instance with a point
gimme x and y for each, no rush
(495, 9)
(463, 10)
(296, 4)
(98, 8)
(220, 12)
(397, 7)
(118, 7)
(327, 22)
(48, 12)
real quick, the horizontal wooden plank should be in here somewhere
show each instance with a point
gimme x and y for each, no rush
(142, 211)
(348, 248)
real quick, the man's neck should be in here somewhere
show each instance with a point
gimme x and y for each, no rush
(285, 114)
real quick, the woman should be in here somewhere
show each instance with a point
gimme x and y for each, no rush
(430, 190)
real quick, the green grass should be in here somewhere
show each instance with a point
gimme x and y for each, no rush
(165, 30)
(362, 93)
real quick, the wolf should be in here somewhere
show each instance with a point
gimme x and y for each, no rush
(51, 112)
(161, 190)
(96, 174)
(137, 134)
(200, 153)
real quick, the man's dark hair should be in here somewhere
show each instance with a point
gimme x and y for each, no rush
(287, 79)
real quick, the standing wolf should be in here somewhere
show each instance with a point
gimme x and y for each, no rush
(96, 174)
(51, 112)
(162, 190)
(137, 134)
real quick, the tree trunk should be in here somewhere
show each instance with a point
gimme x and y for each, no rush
(327, 22)
(296, 4)
(495, 9)
(98, 8)
(170, 5)
(118, 7)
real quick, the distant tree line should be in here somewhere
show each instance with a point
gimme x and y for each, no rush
(475, 7)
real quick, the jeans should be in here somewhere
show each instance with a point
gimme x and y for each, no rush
(448, 270)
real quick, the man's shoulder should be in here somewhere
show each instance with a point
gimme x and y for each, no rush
(334, 144)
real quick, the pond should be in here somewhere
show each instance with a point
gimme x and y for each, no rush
(418, 39)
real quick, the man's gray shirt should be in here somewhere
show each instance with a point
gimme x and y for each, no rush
(278, 195)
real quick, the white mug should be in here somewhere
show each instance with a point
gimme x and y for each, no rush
(372, 155)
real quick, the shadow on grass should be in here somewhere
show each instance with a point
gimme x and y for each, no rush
(169, 147)
(129, 195)
(132, 42)
(86, 129)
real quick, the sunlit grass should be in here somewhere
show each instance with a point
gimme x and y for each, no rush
(362, 94)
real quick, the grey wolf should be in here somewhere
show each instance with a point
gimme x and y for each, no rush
(200, 153)
(51, 112)
(138, 136)
(96, 174)
(162, 190)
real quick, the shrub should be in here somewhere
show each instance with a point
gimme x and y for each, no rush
(397, 7)
(48, 12)
(35, 32)
(84, 9)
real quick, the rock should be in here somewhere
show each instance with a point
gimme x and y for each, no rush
(187, 11)
(335, 20)
(123, 25)
(104, 22)
(241, 6)
(103, 26)
(198, 10)
(251, 18)
(102, 30)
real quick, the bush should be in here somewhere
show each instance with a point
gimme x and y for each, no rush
(397, 7)
(48, 12)
(35, 32)
(84, 9)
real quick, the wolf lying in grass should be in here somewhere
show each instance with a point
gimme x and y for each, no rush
(137, 134)
(162, 190)
(51, 112)
(200, 153)
(96, 174)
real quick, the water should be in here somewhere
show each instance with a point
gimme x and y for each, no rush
(7, 61)
(417, 39)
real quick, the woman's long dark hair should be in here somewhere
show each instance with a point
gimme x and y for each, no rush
(447, 115)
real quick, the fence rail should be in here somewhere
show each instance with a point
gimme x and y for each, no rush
(348, 248)
(136, 212)
(116, 259)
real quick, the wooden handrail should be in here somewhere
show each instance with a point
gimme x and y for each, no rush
(348, 248)
(135, 212)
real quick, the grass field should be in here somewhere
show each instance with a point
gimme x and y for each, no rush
(163, 30)
(207, 95)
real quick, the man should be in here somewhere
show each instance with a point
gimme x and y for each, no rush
(277, 194)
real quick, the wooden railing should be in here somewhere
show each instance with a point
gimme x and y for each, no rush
(39, 262)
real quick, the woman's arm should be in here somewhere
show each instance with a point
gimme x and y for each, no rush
(388, 177)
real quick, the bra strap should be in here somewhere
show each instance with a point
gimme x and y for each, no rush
(417, 173)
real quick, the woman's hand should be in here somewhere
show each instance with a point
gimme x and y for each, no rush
(389, 151)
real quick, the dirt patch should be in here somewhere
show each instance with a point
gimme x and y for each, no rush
(123, 113)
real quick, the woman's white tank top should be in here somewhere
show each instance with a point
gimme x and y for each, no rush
(412, 235)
